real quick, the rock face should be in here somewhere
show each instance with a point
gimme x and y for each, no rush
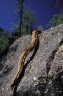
(43, 75)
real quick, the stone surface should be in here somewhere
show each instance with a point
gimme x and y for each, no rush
(43, 70)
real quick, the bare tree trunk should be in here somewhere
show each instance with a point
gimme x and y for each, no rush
(23, 56)
(21, 2)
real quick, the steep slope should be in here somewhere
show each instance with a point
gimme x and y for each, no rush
(43, 66)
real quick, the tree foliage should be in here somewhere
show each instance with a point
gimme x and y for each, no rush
(5, 40)
(56, 20)
(27, 24)
(25, 19)
(28, 21)
(40, 27)
(20, 4)
(3, 44)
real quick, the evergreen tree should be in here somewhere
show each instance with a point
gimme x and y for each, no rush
(20, 4)
(56, 20)
(27, 24)
(28, 21)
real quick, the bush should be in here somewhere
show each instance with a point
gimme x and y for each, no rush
(11, 38)
(5, 40)
(56, 20)
(3, 44)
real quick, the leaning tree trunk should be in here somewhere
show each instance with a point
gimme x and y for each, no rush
(22, 58)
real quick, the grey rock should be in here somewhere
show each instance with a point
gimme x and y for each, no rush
(42, 72)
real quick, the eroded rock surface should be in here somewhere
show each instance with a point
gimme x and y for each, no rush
(43, 74)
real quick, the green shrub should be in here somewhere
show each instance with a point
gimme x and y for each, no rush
(3, 44)
(56, 20)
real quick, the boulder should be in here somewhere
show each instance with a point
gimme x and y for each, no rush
(43, 74)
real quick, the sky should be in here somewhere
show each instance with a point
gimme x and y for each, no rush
(43, 11)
